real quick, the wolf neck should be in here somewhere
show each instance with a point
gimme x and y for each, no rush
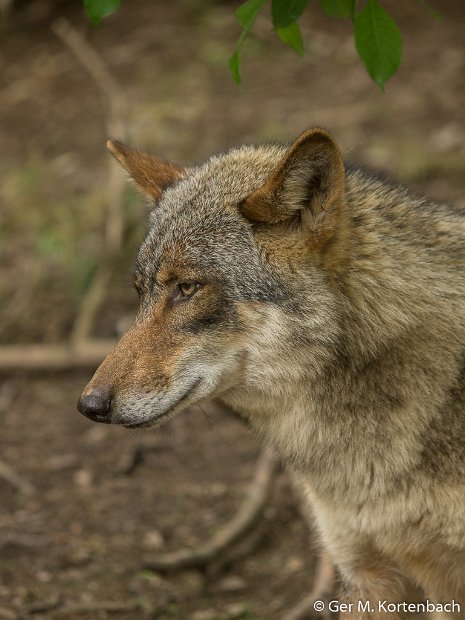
(367, 387)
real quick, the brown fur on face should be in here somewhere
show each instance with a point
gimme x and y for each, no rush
(149, 356)
(330, 312)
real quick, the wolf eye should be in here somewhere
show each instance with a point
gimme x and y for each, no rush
(187, 289)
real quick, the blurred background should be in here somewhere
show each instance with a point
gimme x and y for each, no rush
(83, 505)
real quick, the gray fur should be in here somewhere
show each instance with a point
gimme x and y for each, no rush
(349, 360)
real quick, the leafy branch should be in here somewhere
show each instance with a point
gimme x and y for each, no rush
(378, 40)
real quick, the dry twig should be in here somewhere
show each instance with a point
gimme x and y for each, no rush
(43, 358)
(23, 541)
(90, 303)
(45, 606)
(131, 460)
(116, 107)
(83, 352)
(324, 573)
(91, 608)
(93, 62)
(246, 517)
(322, 588)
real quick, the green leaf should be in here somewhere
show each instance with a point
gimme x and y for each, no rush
(338, 8)
(234, 64)
(97, 9)
(247, 12)
(246, 15)
(292, 36)
(378, 42)
(284, 12)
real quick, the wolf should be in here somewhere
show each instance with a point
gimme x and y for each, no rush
(327, 308)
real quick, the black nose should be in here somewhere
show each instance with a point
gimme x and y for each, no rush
(96, 406)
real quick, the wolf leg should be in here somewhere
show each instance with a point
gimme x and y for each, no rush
(441, 571)
(376, 588)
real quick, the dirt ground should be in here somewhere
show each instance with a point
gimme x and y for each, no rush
(81, 534)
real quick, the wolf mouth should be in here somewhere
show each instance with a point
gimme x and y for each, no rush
(156, 418)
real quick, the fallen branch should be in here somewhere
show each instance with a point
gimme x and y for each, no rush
(324, 579)
(22, 541)
(92, 608)
(130, 461)
(243, 549)
(43, 357)
(246, 517)
(322, 589)
(45, 606)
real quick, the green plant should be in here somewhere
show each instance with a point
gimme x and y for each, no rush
(377, 38)
(98, 9)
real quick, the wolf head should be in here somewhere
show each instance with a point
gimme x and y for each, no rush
(234, 278)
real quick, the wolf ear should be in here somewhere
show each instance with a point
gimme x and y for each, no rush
(151, 174)
(309, 179)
